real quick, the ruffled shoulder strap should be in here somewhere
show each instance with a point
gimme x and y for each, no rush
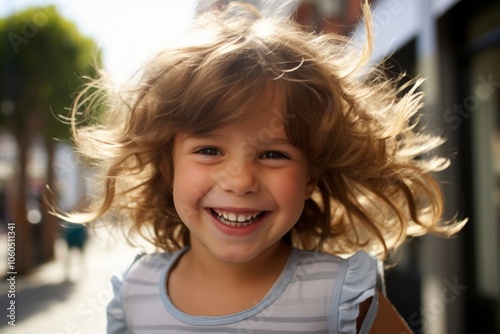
(115, 313)
(359, 284)
(143, 273)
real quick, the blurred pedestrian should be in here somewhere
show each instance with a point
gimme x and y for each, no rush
(75, 237)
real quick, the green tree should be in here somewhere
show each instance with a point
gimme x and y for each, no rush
(43, 58)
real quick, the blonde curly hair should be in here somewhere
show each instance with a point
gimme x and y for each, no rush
(375, 185)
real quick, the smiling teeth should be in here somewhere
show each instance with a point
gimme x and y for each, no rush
(235, 219)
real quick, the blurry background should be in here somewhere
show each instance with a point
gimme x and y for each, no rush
(439, 286)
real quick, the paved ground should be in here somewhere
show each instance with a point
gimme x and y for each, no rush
(48, 302)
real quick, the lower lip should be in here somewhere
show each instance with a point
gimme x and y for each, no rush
(234, 230)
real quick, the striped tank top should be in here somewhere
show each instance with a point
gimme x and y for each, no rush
(315, 293)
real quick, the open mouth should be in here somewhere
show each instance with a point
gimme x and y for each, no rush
(235, 219)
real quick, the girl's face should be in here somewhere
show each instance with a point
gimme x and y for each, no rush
(240, 188)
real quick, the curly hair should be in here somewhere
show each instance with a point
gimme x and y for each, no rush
(358, 128)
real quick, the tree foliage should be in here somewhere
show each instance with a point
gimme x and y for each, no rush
(42, 59)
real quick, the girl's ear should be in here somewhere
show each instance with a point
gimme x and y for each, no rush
(166, 168)
(311, 183)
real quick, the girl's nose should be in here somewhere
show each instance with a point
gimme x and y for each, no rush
(239, 178)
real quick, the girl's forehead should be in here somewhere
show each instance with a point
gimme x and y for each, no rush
(263, 101)
(263, 113)
(268, 98)
(258, 117)
(247, 103)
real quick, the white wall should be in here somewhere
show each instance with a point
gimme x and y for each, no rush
(398, 21)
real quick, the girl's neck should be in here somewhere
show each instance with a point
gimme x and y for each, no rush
(271, 261)
(203, 285)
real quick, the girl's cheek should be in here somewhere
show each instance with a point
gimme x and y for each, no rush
(191, 184)
(185, 211)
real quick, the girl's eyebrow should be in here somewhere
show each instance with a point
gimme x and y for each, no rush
(208, 136)
(279, 141)
(253, 140)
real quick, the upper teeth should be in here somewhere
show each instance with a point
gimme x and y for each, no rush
(236, 217)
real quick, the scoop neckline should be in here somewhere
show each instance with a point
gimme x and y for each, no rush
(276, 290)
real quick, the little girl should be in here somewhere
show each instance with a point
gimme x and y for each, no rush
(270, 167)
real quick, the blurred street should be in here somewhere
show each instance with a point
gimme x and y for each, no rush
(55, 300)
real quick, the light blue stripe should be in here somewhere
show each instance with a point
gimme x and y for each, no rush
(219, 330)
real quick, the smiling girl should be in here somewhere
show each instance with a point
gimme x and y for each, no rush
(270, 168)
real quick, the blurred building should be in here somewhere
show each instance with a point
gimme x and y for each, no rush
(444, 286)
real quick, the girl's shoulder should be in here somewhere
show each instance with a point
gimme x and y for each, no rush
(150, 266)
(359, 264)
(353, 278)
(344, 282)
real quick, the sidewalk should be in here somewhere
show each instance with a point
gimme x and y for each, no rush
(49, 303)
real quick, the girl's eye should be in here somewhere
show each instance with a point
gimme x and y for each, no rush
(274, 155)
(208, 151)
